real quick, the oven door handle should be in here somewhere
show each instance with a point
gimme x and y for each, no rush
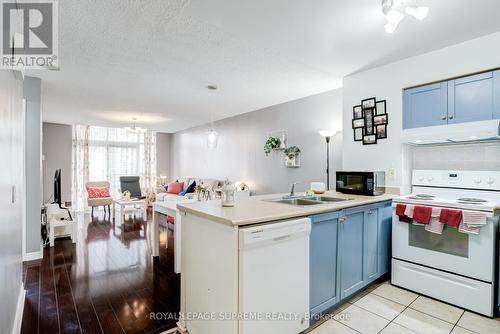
(394, 204)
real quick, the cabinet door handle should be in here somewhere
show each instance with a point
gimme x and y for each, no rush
(370, 212)
(443, 118)
(342, 220)
(450, 116)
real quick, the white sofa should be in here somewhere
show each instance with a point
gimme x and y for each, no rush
(162, 195)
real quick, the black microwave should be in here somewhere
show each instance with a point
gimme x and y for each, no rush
(361, 183)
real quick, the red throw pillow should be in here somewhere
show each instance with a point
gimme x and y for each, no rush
(98, 192)
(104, 192)
(175, 187)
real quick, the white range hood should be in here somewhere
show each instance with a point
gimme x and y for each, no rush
(453, 133)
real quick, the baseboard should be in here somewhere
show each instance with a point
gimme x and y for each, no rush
(33, 255)
(18, 319)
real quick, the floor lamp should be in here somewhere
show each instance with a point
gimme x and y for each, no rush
(327, 134)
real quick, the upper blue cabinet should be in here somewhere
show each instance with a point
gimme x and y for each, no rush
(471, 98)
(425, 106)
(468, 99)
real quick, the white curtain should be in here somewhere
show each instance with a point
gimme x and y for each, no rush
(105, 154)
(80, 166)
(149, 165)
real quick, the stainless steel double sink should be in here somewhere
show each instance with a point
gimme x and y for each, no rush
(308, 200)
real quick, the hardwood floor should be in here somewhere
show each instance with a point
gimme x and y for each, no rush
(105, 283)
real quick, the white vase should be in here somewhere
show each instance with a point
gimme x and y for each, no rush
(291, 162)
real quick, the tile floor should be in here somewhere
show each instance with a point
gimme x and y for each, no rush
(383, 308)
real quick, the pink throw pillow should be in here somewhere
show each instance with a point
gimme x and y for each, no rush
(175, 187)
(104, 192)
(98, 192)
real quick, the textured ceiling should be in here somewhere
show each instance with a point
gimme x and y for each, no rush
(152, 59)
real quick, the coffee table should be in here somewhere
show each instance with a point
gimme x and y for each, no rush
(123, 204)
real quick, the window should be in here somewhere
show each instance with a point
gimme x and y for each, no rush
(115, 152)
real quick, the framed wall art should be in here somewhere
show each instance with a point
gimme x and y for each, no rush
(369, 121)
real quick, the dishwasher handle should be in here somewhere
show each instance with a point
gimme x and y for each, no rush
(283, 237)
(262, 235)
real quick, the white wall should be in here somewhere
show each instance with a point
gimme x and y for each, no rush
(240, 155)
(387, 82)
(163, 153)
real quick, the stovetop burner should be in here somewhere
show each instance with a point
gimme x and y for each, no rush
(471, 200)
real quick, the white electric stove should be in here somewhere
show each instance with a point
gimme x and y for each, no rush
(458, 268)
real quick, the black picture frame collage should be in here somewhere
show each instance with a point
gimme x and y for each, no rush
(369, 121)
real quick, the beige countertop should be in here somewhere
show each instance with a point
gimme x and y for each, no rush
(256, 209)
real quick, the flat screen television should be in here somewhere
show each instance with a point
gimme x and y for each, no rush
(57, 187)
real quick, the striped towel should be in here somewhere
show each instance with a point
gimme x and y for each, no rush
(474, 218)
(434, 225)
(409, 210)
(469, 229)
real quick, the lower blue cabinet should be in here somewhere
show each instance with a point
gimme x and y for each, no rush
(323, 262)
(349, 249)
(371, 246)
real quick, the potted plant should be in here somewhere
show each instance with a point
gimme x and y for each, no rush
(292, 156)
(271, 144)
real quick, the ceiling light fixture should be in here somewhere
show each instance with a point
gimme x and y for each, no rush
(212, 135)
(393, 12)
(134, 128)
(419, 13)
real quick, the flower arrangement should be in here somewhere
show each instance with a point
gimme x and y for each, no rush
(271, 144)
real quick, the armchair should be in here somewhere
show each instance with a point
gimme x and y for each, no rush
(94, 200)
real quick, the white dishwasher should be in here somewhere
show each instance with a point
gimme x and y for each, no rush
(274, 277)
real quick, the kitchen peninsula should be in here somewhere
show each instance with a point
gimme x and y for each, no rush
(270, 258)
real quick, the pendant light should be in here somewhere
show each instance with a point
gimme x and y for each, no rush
(212, 135)
(134, 128)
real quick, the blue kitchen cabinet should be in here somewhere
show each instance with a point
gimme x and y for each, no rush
(467, 99)
(470, 98)
(425, 106)
(371, 245)
(496, 94)
(323, 262)
(351, 239)
(349, 249)
(364, 246)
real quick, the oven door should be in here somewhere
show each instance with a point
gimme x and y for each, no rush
(460, 253)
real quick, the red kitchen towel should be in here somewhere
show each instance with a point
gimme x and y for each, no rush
(400, 212)
(450, 217)
(400, 209)
(422, 214)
